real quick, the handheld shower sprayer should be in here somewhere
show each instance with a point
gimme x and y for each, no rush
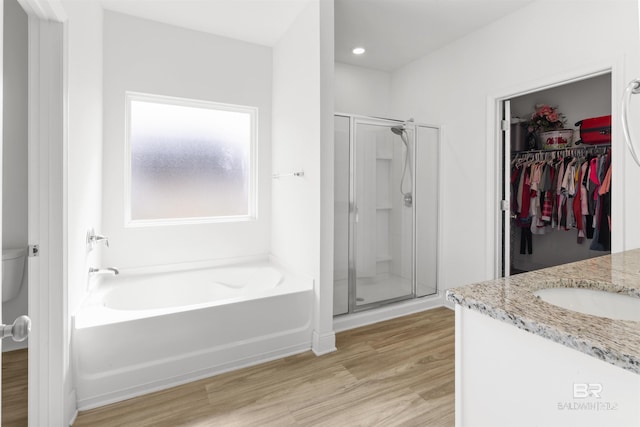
(398, 130)
(401, 131)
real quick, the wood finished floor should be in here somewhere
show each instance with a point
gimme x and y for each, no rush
(14, 388)
(395, 373)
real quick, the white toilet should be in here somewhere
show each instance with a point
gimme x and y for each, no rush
(12, 272)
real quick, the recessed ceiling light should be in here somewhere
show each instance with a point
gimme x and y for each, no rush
(358, 50)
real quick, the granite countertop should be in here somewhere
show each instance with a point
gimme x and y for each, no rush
(512, 300)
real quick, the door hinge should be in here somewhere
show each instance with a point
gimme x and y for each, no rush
(505, 125)
(504, 205)
(34, 250)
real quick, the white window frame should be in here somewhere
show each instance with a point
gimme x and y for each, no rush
(170, 100)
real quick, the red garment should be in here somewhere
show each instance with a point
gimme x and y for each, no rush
(593, 171)
(526, 195)
(593, 176)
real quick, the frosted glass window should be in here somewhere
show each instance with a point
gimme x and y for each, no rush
(189, 160)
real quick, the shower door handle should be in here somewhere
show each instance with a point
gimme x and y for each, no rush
(19, 330)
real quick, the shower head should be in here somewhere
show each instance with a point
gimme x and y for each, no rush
(400, 130)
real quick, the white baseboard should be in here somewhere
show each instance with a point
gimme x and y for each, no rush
(323, 344)
(162, 384)
(356, 320)
(71, 412)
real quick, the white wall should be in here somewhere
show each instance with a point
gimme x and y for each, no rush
(14, 147)
(324, 339)
(84, 139)
(362, 91)
(454, 85)
(83, 30)
(149, 57)
(301, 120)
(296, 145)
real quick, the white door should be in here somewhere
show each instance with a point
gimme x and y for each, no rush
(21, 327)
(1, 145)
(504, 208)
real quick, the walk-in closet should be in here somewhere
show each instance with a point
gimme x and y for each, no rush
(558, 190)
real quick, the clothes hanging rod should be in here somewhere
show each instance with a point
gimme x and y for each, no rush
(560, 150)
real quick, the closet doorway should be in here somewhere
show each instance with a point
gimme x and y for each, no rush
(552, 212)
(386, 212)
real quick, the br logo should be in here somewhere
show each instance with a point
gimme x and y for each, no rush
(585, 390)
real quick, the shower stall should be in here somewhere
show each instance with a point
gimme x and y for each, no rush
(386, 212)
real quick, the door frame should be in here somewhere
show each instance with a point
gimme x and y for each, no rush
(505, 196)
(495, 151)
(49, 375)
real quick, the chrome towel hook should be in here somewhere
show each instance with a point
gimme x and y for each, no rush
(298, 174)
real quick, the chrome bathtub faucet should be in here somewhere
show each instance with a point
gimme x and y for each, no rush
(100, 271)
(93, 239)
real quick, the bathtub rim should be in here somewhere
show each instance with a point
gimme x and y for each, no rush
(186, 266)
(91, 313)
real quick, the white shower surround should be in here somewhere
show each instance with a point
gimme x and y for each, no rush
(221, 318)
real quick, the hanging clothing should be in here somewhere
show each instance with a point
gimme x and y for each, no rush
(570, 192)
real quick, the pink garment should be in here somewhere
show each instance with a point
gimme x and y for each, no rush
(535, 178)
(606, 183)
(547, 207)
(584, 205)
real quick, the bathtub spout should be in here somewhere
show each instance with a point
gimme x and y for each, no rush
(99, 271)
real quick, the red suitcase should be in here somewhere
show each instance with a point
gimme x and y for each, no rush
(595, 130)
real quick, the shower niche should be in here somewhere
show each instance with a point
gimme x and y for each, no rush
(386, 205)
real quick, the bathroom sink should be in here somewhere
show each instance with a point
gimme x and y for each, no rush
(593, 302)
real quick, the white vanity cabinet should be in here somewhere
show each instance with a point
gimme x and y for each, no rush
(523, 362)
(509, 377)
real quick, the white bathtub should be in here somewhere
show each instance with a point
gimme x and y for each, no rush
(139, 333)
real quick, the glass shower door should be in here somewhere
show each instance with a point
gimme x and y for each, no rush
(382, 221)
(426, 210)
(342, 125)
